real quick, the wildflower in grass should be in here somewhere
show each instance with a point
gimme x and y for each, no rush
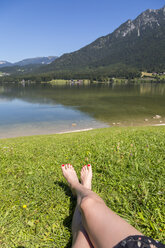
(24, 206)
(131, 145)
(131, 154)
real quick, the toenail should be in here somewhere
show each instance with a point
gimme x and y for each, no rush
(89, 165)
(63, 165)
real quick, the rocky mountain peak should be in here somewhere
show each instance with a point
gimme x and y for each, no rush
(163, 9)
(125, 29)
(149, 18)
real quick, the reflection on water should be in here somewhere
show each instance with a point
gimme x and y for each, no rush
(30, 111)
(152, 89)
(1, 89)
(43, 108)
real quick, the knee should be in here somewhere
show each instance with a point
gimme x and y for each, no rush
(87, 203)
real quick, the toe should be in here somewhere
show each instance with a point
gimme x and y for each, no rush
(71, 167)
(66, 166)
(63, 167)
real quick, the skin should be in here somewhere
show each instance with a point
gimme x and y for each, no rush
(94, 224)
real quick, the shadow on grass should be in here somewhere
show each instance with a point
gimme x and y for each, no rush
(20, 247)
(68, 220)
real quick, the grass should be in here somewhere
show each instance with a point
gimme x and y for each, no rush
(36, 204)
(64, 82)
(58, 82)
(147, 74)
(162, 77)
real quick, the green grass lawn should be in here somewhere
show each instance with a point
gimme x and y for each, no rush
(58, 82)
(64, 82)
(36, 205)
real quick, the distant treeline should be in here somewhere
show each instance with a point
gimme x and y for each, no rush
(103, 73)
(95, 74)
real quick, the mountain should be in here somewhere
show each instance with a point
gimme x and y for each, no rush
(139, 44)
(4, 63)
(30, 61)
(25, 66)
(38, 60)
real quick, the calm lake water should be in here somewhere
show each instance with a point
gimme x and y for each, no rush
(43, 109)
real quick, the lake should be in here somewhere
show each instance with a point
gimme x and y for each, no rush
(32, 109)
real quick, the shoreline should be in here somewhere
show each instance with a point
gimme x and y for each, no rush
(10, 136)
(76, 131)
(157, 125)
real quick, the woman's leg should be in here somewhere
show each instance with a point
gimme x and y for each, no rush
(103, 226)
(80, 237)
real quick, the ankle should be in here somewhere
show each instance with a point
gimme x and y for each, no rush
(75, 185)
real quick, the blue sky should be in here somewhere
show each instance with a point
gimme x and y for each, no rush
(32, 28)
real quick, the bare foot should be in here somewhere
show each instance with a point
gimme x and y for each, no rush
(86, 176)
(70, 175)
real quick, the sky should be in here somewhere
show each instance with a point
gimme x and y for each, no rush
(36, 28)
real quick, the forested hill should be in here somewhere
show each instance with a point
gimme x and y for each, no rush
(139, 43)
